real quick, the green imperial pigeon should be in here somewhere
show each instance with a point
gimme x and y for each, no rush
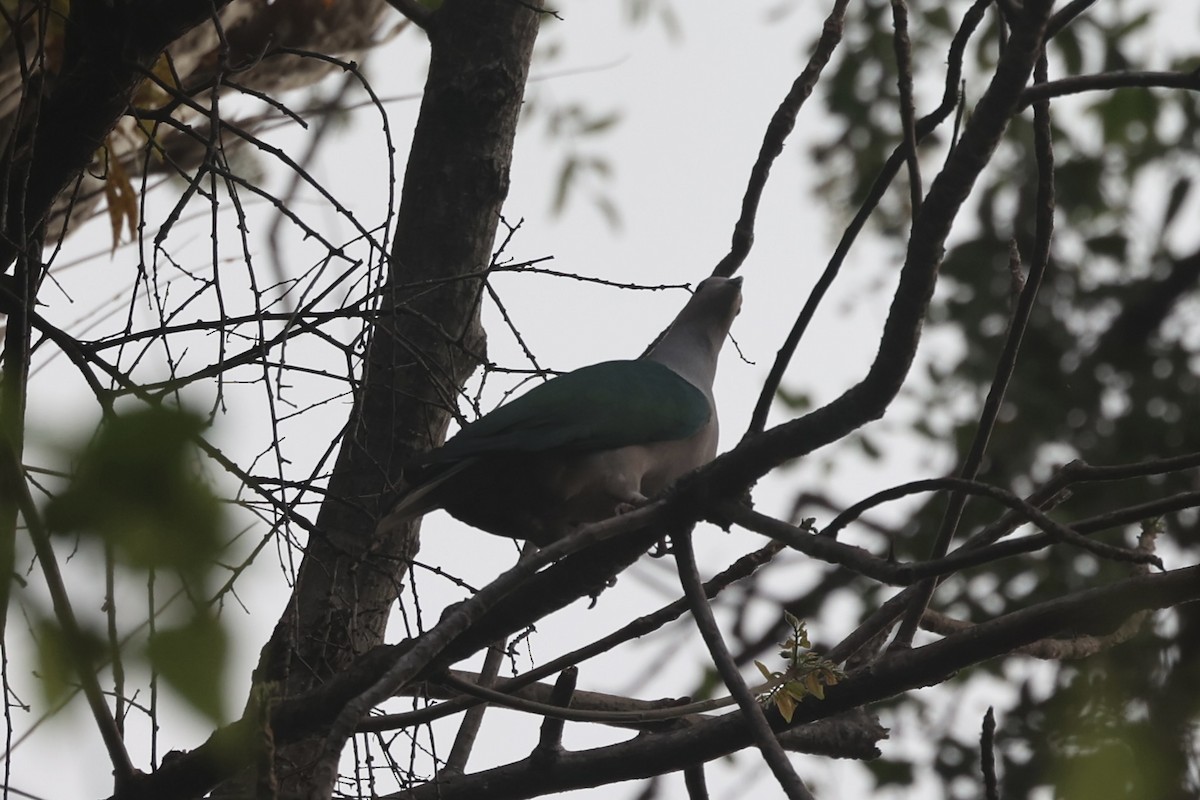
(588, 444)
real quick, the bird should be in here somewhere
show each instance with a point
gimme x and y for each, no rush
(585, 445)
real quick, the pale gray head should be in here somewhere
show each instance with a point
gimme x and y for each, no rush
(693, 342)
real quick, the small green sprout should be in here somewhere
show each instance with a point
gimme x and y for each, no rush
(807, 672)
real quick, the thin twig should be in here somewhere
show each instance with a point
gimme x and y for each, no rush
(114, 640)
(744, 566)
(977, 552)
(891, 610)
(752, 710)
(694, 783)
(778, 130)
(987, 755)
(965, 487)
(1105, 81)
(122, 765)
(549, 745)
(928, 123)
(468, 730)
(903, 47)
(1066, 15)
(1006, 364)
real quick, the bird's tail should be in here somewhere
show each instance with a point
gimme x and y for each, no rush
(420, 499)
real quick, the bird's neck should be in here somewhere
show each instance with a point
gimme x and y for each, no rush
(691, 355)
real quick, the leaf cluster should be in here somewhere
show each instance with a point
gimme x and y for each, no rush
(806, 675)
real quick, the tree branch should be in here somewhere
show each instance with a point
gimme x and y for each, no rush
(761, 452)
(780, 126)
(756, 718)
(123, 770)
(741, 568)
(927, 124)
(420, 15)
(1007, 361)
(186, 775)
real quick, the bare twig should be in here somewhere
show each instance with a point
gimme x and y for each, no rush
(1066, 15)
(1080, 645)
(903, 48)
(1006, 364)
(464, 741)
(1104, 81)
(1052, 527)
(756, 718)
(549, 745)
(927, 125)
(122, 765)
(778, 129)
(987, 756)
(639, 627)
(976, 552)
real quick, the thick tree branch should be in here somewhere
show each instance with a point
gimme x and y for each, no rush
(867, 400)
(741, 568)
(421, 15)
(1007, 361)
(653, 754)
(1104, 608)
(925, 126)
(415, 363)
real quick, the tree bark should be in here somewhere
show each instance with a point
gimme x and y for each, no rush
(426, 343)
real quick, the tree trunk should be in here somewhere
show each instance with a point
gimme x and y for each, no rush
(426, 343)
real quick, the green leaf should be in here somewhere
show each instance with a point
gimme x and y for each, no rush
(54, 661)
(57, 664)
(1067, 43)
(566, 178)
(136, 487)
(868, 447)
(608, 210)
(1123, 113)
(191, 659)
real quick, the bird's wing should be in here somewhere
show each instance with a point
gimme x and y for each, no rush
(601, 407)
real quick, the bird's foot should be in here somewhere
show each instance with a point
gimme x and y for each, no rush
(629, 504)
